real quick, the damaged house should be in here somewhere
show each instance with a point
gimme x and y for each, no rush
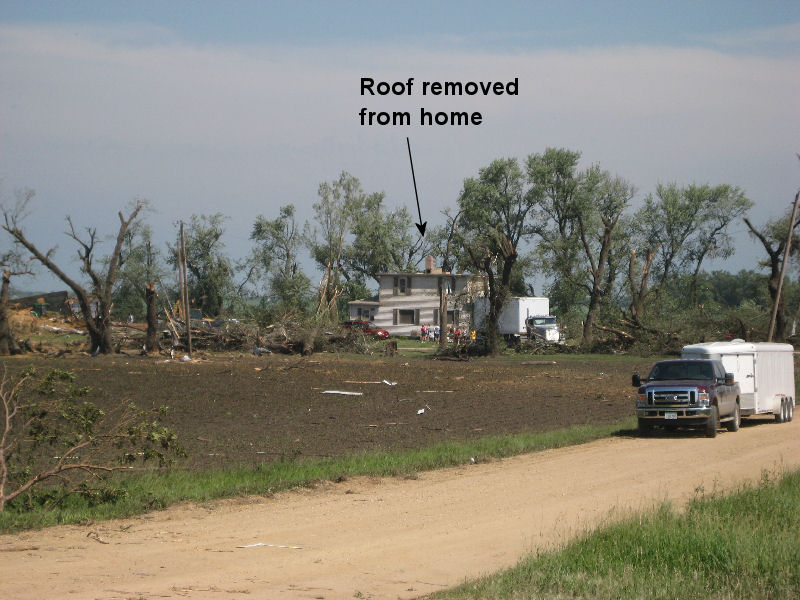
(405, 301)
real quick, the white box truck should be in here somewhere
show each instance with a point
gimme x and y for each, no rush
(513, 319)
(764, 372)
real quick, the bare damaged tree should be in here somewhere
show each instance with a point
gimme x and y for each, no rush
(151, 344)
(639, 285)
(773, 237)
(603, 199)
(13, 265)
(98, 322)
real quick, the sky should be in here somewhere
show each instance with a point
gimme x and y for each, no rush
(243, 107)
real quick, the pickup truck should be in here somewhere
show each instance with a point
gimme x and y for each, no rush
(693, 392)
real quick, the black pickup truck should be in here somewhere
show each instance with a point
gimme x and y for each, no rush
(693, 393)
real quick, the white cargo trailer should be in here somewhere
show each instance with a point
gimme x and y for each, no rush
(514, 314)
(764, 371)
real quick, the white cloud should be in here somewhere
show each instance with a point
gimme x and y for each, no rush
(92, 118)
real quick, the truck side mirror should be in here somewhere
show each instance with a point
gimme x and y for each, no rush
(636, 380)
(728, 378)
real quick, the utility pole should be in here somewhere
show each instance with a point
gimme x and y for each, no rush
(184, 276)
(783, 268)
(444, 289)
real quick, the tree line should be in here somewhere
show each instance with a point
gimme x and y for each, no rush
(613, 272)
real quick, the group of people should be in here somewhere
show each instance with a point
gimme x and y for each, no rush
(431, 333)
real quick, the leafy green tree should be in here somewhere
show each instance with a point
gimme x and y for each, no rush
(721, 205)
(338, 204)
(493, 220)
(275, 256)
(140, 265)
(555, 185)
(210, 270)
(354, 238)
(731, 289)
(602, 199)
(689, 225)
(383, 241)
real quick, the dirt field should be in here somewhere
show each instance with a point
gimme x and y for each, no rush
(247, 410)
(388, 538)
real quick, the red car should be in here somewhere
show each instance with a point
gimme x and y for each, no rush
(365, 327)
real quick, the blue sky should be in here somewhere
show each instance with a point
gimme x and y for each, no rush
(500, 25)
(242, 107)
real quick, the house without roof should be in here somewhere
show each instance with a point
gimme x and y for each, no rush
(406, 301)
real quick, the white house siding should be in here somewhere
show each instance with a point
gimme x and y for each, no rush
(419, 301)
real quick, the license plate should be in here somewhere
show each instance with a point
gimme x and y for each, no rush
(670, 416)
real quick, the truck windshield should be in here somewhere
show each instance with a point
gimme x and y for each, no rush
(533, 321)
(681, 370)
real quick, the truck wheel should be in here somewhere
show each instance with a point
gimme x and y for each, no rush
(733, 424)
(645, 428)
(713, 423)
(790, 407)
(780, 417)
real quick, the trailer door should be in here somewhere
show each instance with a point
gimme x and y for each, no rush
(743, 368)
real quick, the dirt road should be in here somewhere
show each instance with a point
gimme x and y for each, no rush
(386, 538)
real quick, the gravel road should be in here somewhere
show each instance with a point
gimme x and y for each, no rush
(387, 538)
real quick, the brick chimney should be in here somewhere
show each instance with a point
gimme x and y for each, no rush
(428, 264)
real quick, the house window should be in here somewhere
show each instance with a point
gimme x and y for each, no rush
(452, 317)
(402, 285)
(406, 317)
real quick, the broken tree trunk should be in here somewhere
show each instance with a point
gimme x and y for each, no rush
(8, 345)
(151, 340)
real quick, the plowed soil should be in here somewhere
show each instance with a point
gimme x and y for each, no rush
(246, 410)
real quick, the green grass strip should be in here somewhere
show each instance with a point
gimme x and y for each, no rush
(152, 490)
(740, 545)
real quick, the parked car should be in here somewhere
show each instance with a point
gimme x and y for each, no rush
(365, 327)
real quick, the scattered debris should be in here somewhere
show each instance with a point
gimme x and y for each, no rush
(421, 411)
(67, 330)
(96, 537)
(259, 351)
(343, 393)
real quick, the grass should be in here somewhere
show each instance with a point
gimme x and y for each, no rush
(740, 545)
(143, 491)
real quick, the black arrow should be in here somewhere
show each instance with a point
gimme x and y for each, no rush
(421, 226)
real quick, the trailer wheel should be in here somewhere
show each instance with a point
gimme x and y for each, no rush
(790, 409)
(733, 424)
(780, 417)
(713, 423)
